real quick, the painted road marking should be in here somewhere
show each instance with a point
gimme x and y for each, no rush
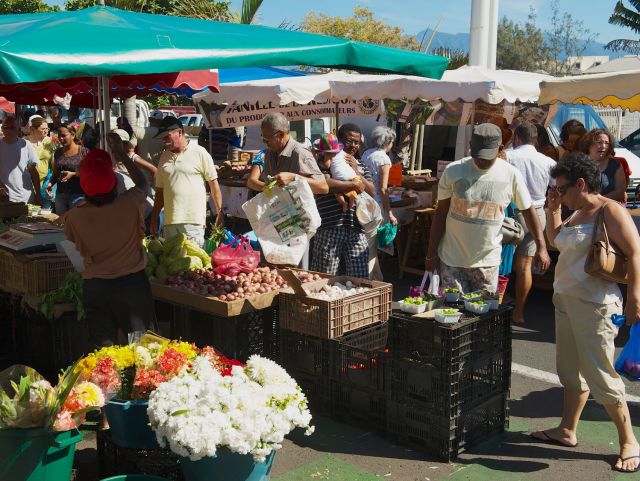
(551, 378)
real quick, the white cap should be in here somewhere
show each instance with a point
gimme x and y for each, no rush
(156, 114)
(122, 134)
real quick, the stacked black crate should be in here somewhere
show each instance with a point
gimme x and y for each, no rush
(448, 384)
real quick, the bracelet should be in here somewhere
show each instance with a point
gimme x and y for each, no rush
(555, 211)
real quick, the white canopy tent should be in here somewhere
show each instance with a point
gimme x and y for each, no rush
(613, 89)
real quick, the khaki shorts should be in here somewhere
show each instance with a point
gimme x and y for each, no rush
(585, 349)
(527, 247)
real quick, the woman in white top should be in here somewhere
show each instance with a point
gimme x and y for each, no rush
(379, 164)
(584, 304)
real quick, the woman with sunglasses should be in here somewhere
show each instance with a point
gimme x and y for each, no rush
(584, 304)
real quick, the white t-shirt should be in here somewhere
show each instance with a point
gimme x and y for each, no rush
(14, 172)
(535, 168)
(478, 201)
(374, 159)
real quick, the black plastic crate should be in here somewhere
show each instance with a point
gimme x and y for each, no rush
(306, 354)
(361, 407)
(414, 425)
(239, 337)
(449, 393)
(359, 358)
(114, 460)
(449, 346)
(317, 389)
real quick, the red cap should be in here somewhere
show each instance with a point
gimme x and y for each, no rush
(96, 173)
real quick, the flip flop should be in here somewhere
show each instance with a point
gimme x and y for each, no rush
(626, 470)
(549, 440)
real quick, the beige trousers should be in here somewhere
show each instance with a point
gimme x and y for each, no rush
(585, 349)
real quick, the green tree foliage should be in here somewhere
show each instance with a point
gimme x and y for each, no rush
(205, 9)
(457, 57)
(568, 37)
(521, 47)
(362, 27)
(25, 6)
(629, 18)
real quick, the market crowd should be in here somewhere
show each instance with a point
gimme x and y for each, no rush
(155, 180)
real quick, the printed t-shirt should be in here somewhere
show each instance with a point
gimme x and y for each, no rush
(478, 201)
(109, 237)
(14, 172)
(182, 177)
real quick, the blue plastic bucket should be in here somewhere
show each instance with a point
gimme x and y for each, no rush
(227, 466)
(37, 454)
(129, 424)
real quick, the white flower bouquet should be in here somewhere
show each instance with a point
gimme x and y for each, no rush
(249, 410)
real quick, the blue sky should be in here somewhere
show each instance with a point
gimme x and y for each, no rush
(416, 15)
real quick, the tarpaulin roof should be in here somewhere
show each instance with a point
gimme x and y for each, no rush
(82, 88)
(104, 41)
(613, 89)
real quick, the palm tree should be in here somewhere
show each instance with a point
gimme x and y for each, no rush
(626, 17)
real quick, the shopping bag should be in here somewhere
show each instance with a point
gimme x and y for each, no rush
(283, 220)
(434, 283)
(628, 362)
(235, 256)
(386, 234)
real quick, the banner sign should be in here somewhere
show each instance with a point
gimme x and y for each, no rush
(251, 113)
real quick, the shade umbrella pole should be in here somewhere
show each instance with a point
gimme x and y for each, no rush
(106, 105)
(98, 95)
(337, 116)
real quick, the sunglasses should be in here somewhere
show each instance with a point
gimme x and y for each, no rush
(266, 138)
(562, 189)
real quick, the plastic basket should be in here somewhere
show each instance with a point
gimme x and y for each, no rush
(449, 393)
(450, 346)
(129, 424)
(414, 425)
(317, 389)
(115, 460)
(331, 319)
(37, 454)
(359, 358)
(228, 466)
(43, 275)
(365, 408)
(305, 354)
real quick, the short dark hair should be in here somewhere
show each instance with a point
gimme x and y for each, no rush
(348, 127)
(103, 199)
(577, 165)
(527, 132)
(590, 137)
(570, 127)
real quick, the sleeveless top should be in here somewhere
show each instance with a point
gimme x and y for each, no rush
(608, 177)
(574, 243)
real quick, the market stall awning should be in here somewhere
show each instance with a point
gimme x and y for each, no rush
(613, 89)
(509, 85)
(112, 42)
(82, 89)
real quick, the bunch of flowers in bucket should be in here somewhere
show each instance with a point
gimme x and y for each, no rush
(134, 371)
(247, 409)
(27, 400)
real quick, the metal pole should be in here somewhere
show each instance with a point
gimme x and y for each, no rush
(98, 94)
(337, 116)
(106, 105)
(493, 35)
(420, 146)
(414, 146)
(479, 37)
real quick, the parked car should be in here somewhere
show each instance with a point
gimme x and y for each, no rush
(192, 120)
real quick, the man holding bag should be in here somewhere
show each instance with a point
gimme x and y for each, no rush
(473, 193)
(285, 158)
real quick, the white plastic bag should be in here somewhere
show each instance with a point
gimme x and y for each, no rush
(434, 283)
(284, 219)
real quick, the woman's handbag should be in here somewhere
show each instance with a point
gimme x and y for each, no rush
(512, 232)
(604, 259)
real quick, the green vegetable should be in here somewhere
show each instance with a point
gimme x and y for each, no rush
(451, 290)
(450, 311)
(215, 238)
(430, 297)
(150, 271)
(69, 292)
(153, 260)
(172, 242)
(479, 302)
(154, 246)
(161, 273)
(414, 300)
(194, 250)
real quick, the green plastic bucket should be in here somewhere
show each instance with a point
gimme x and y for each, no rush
(135, 477)
(227, 466)
(37, 454)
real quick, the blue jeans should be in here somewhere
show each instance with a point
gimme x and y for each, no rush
(65, 201)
